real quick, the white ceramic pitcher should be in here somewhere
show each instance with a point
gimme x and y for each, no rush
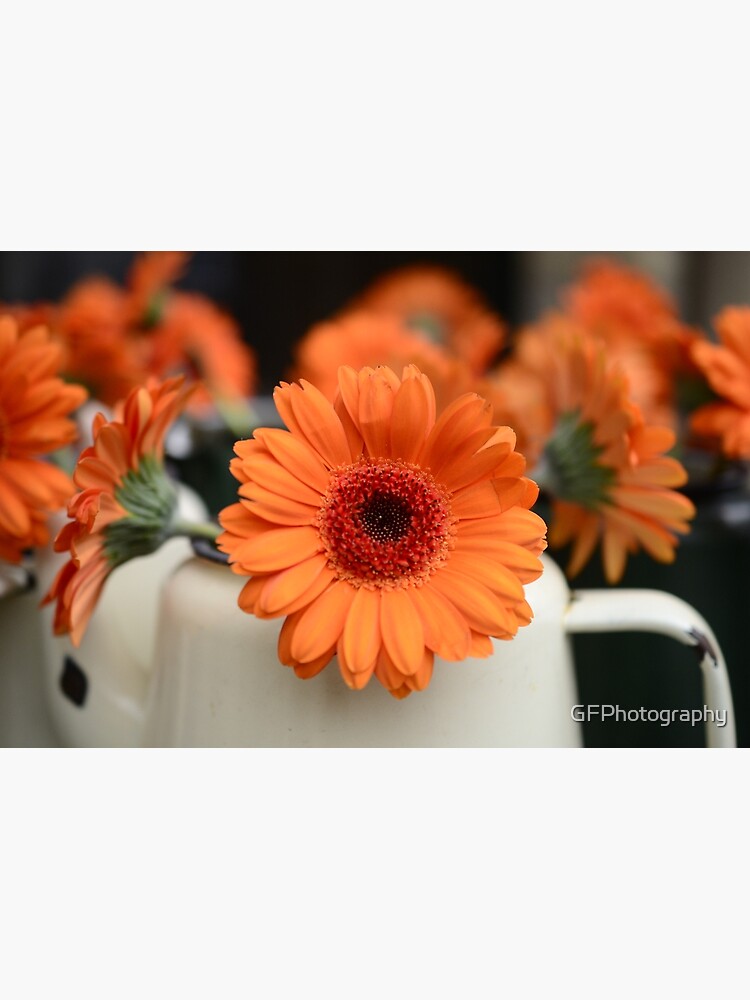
(217, 680)
(170, 660)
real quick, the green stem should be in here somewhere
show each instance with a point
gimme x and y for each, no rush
(194, 529)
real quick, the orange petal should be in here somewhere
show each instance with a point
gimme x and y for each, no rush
(478, 501)
(280, 510)
(318, 424)
(376, 397)
(423, 676)
(488, 571)
(463, 416)
(614, 552)
(476, 463)
(403, 633)
(481, 646)
(445, 629)
(269, 475)
(295, 457)
(278, 549)
(282, 589)
(306, 671)
(523, 563)
(387, 672)
(412, 418)
(14, 515)
(322, 623)
(356, 680)
(360, 642)
(481, 608)
(584, 544)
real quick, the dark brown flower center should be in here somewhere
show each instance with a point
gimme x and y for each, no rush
(385, 517)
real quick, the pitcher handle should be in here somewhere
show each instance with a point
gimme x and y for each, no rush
(657, 611)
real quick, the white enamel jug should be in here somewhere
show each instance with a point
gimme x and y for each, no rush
(217, 680)
(169, 659)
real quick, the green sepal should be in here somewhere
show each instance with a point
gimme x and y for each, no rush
(149, 498)
(571, 467)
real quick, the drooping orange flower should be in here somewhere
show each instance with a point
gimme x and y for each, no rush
(726, 366)
(603, 465)
(126, 504)
(441, 306)
(639, 324)
(35, 408)
(382, 534)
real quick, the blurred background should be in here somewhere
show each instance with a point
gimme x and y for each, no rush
(277, 297)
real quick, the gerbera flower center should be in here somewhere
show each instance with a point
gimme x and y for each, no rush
(385, 523)
(386, 518)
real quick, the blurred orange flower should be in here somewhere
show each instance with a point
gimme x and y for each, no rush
(638, 323)
(150, 278)
(126, 503)
(197, 339)
(726, 366)
(362, 339)
(35, 408)
(382, 534)
(438, 304)
(116, 337)
(603, 466)
(91, 323)
(29, 315)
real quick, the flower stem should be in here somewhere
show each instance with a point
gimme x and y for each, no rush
(195, 529)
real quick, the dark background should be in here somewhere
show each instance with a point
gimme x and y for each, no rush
(275, 297)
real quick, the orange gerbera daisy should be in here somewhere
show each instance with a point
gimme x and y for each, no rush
(441, 306)
(726, 366)
(91, 323)
(196, 338)
(604, 467)
(115, 338)
(35, 408)
(639, 325)
(126, 504)
(360, 339)
(382, 534)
